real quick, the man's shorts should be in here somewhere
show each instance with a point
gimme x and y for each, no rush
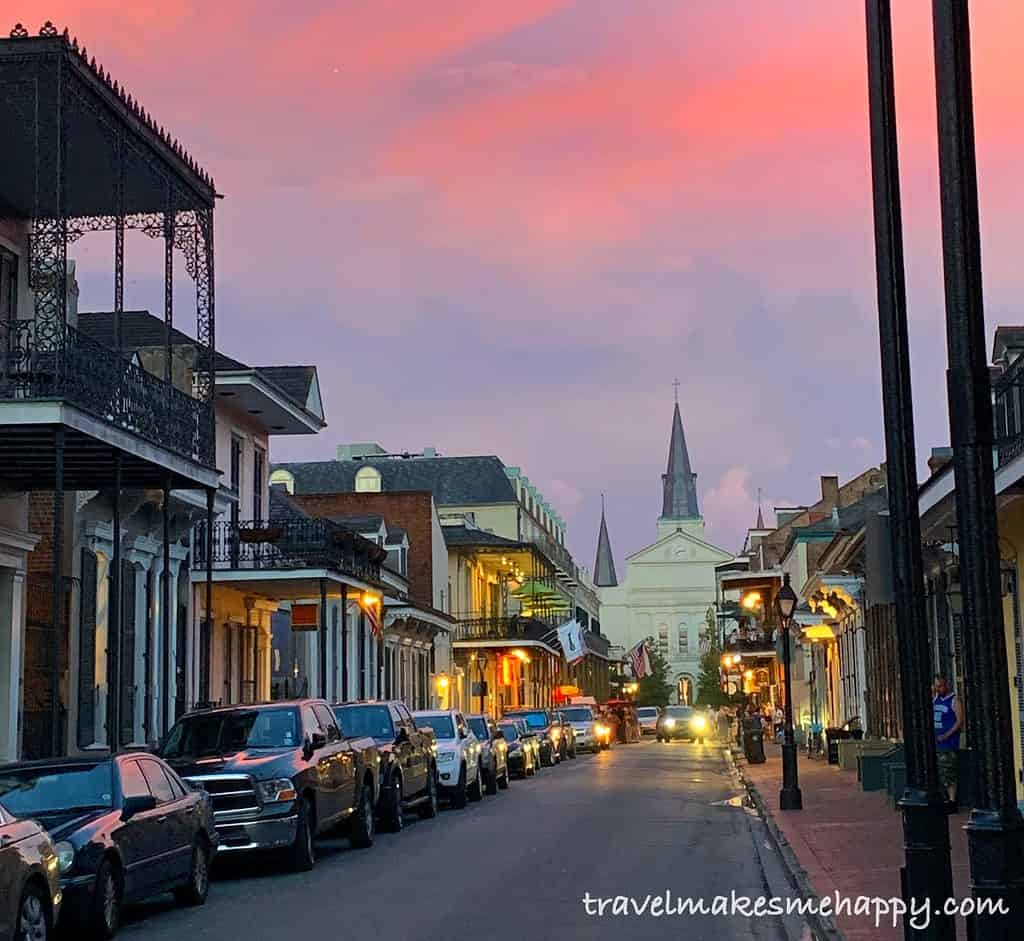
(948, 767)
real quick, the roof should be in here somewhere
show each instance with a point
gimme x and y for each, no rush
(467, 536)
(679, 500)
(453, 481)
(363, 523)
(141, 330)
(1006, 338)
(604, 564)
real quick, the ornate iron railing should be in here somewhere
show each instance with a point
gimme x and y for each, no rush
(76, 369)
(756, 644)
(1008, 392)
(288, 545)
(506, 628)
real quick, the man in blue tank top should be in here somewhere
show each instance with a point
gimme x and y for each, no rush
(948, 719)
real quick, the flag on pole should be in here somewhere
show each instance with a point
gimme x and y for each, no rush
(639, 661)
(570, 636)
(373, 615)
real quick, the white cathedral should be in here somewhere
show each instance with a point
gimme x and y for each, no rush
(670, 585)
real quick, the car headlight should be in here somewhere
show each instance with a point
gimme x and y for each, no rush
(670, 723)
(699, 723)
(279, 789)
(600, 729)
(446, 756)
(65, 856)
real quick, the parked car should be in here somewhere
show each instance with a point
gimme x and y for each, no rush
(459, 762)
(279, 774)
(677, 722)
(567, 742)
(30, 893)
(648, 716)
(124, 828)
(522, 760)
(493, 751)
(529, 739)
(585, 726)
(547, 729)
(408, 770)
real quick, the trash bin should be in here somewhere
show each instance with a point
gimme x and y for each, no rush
(833, 737)
(753, 741)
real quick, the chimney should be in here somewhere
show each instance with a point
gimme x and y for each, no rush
(430, 452)
(830, 491)
(939, 458)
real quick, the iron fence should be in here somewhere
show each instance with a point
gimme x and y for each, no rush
(77, 369)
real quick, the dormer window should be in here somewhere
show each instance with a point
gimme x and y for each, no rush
(368, 480)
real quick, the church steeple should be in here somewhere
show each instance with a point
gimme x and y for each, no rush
(604, 565)
(679, 481)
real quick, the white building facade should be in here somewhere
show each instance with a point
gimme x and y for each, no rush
(670, 585)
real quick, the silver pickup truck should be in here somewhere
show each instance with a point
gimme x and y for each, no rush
(279, 774)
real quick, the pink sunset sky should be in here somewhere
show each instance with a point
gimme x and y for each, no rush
(507, 227)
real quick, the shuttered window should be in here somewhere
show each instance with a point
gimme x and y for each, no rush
(87, 651)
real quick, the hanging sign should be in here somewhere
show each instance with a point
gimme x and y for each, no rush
(305, 617)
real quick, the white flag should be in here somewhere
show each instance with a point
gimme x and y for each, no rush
(570, 636)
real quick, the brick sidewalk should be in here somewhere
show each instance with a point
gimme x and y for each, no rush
(847, 841)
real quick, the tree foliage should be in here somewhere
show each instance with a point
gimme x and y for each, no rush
(709, 681)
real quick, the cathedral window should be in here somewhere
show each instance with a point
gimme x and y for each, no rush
(684, 639)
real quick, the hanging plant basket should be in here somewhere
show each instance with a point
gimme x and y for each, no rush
(263, 534)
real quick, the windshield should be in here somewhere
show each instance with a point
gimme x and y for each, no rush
(441, 724)
(222, 733)
(366, 722)
(479, 727)
(578, 714)
(647, 712)
(31, 792)
(510, 732)
(679, 712)
(536, 720)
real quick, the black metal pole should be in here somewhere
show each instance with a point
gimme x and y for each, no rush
(790, 797)
(344, 644)
(206, 629)
(114, 619)
(995, 831)
(927, 872)
(165, 611)
(322, 639)
(58, 590)
(362, 652)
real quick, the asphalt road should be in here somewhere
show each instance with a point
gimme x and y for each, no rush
(634, 821)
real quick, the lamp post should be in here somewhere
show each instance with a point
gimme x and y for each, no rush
(790, 797)
(481, 662)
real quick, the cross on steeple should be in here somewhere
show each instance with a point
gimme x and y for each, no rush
(675, 386)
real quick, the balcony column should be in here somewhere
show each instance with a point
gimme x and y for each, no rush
(344, 644)
(206, 627)
(165, 610)
(362, 652)
(114, 610)
(322, 641)
(58, 591)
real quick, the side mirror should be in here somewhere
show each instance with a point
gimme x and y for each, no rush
(317, 740)
(137, 805)
(402, 735)
(463, 733)
(499, 735)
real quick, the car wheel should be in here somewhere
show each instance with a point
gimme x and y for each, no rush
(428, 808)
(302, 855)
(194, 891)
(476, 789)
(459, 796)
(392, 817)
(34, 919)
(504, 780)
(492, 780)
(105, 917)
(572, 751)
(362, 832)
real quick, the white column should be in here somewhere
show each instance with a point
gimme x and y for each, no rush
(12, 646)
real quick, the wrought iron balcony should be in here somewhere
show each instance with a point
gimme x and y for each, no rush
(1008, 392)
(751, 644)
(506, 628)
(289, 545)
(81, 372)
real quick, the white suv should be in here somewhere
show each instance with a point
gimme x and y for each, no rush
(459, 755)
(584, 723)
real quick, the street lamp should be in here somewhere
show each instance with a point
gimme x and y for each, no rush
(790, 797)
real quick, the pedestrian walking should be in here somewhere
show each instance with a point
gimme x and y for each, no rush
(948, 717)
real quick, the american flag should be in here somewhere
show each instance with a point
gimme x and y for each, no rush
(638, 660)
(372, 610)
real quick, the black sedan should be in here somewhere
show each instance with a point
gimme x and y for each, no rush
(124, 828)
(522, 760)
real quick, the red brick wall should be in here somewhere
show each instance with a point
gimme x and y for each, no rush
(410, 509)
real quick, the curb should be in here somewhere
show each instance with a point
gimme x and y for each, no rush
(822, 927)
